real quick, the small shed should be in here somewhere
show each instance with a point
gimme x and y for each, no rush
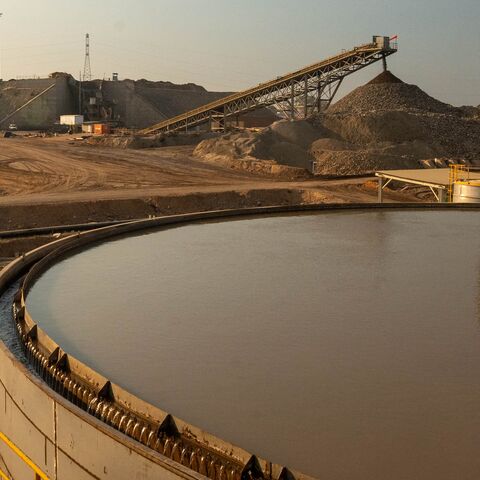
(88, 127)
(71, 120)
(96, 128)
(101, 129)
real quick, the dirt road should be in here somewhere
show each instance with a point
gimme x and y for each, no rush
(59, 165)
(54, 181)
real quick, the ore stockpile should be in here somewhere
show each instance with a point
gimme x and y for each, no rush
(385, 124)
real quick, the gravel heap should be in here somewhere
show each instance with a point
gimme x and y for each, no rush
(385, 77)
(385, 93)
(385, 124)
(395, 112)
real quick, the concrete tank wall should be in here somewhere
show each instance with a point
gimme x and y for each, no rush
(61, 439)
(64, 442)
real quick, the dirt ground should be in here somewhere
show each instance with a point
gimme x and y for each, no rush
(62, 181)
(60, 169)
(61, 165)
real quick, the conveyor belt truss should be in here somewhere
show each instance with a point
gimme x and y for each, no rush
(297, 94)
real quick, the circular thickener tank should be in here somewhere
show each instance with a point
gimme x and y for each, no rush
(344, 345)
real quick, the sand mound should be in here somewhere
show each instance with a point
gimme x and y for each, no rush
(298, 133)
(284, 143)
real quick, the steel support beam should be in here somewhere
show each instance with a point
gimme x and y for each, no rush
(305, 93)
(384, 61)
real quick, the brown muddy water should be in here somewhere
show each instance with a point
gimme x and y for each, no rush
(343, 345)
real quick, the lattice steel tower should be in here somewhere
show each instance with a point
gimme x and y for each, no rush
(87, 72)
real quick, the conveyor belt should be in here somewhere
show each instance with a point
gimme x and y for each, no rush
(319, 81)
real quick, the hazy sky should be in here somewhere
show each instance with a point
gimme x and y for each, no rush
(228, 45)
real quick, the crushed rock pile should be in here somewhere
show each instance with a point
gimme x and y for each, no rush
(385, 77)
(387, 93)
(385, 124)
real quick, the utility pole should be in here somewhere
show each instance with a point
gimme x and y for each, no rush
(80, 93)
(87, 73)
(1, 15)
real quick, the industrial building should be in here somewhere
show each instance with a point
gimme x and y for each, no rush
(38, 104)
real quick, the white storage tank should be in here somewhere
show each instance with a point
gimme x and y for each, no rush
(468, 192)
(71, 120)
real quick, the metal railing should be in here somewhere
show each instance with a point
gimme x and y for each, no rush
(38, 474)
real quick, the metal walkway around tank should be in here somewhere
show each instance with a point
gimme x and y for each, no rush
(298, 94)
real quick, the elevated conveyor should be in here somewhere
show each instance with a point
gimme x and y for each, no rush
(301, 93)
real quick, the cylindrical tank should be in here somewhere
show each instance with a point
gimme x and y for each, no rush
(466, 193)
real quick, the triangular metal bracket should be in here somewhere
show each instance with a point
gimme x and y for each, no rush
(252, 470)
(33, 333)
(168, 427)
(63, 364)
(21, 314)
(53, 357)
(106, 392)
(286, 474)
